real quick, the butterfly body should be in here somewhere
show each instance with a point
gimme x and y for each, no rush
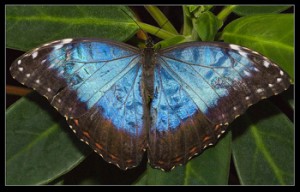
(148, 71)
(172, 103)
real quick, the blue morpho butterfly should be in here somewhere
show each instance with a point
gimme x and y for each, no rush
(172, 102)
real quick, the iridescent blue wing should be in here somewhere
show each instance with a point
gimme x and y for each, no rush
(199, 89)
(95, 84)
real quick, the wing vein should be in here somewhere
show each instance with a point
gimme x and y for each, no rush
(188, 63)
(181, 80)
(104, 85)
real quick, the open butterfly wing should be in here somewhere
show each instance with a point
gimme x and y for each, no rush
(95, 84)
(179, 129)
(199, 89)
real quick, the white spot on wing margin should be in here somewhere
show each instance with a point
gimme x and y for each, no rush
(259, 90)
(35, 54)
(266, 64)
(235, 47)
(281, 72)
(64, 41)
(270, 85)
(239, 49)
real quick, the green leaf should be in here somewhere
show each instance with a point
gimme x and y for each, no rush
(39, 145)
(192, 8)
(263, 146)
(29, 26)
(207, 25)
(270, 34)
(210, 168)
(252, 10)
(195, 10)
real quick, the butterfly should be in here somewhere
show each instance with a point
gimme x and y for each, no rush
(172, 102)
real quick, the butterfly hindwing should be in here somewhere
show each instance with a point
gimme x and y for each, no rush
(95, 84)
(179, 129)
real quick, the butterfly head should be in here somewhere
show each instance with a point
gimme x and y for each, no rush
(149, 42)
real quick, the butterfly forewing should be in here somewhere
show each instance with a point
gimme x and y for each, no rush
(223, 79)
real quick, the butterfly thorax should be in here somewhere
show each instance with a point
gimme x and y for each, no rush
(148, 73)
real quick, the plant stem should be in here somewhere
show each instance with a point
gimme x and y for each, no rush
(161, 19)
(225, 12)
(14, 90)
(187, 23)
(163, 34)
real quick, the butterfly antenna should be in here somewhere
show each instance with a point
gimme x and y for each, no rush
(134, 21)
(161, 26)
